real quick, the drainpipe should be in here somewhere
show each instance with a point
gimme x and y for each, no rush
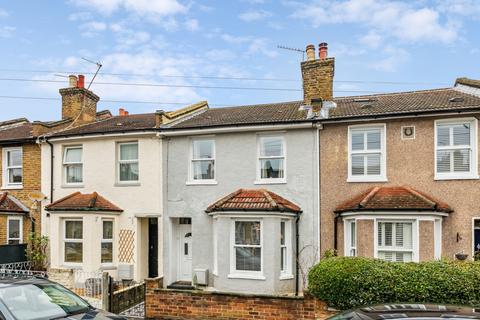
(335, 231)
(51, 169)
(297, 237)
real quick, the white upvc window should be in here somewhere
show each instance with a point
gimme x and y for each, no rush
(73, 164)
(13, 167)
(14, 230)
(286, 249)
(367, 153)
(202, 162)
(271, 162)
(456, 149)
(350, 238)
(396, 241)
(128, 170)
(107, 242)
(247, 255)
(73, 241)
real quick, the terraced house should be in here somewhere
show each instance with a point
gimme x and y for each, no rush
(105, 181)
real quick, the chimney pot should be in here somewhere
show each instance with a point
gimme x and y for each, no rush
(121, 111)
(310, 52)
(72, 81)
(81, 81)
(323, 50)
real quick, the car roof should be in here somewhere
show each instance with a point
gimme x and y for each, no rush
(9, 280)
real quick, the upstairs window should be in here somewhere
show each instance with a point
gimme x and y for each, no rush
(203, 160)
(73, 165)
(13, 167)
(366, 161)
(271, 159)
(455, 149)
(128, 162)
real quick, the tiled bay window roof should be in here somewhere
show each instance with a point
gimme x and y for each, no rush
(83, 202)
(397, 198)
(253, 200)
(10, 204)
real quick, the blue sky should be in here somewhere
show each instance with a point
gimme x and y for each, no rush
(421, 44)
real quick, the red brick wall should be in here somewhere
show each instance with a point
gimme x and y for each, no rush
(176, 304)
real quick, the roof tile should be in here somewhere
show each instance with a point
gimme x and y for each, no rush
(83, 202)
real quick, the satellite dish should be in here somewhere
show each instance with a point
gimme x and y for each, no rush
(37, 196)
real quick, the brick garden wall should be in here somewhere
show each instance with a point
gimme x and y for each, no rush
(181, 304)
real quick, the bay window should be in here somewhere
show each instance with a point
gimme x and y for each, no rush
(395, 241)
(14, 230)
(367, 155)
(203, 160)
(285, 249)
(271, 159)
(247, 247)
(128, 162)
(73, 165)
(73, 241)
(455, 149)
(350, 238)
(107, 242)
(13, 167)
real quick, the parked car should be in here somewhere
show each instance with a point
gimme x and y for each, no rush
(35, 298)
(402, 311)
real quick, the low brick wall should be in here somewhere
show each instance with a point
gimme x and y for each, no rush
(182, 304)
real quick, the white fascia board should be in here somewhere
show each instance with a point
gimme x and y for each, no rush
(152, 133)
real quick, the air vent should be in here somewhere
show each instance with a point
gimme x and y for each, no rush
(456, 99)
(408, 132)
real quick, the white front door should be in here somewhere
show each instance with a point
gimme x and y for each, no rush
(184, 240)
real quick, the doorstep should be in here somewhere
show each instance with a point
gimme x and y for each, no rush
(181, 285)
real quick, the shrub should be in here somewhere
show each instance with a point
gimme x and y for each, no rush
(37, 251)
(347, 282)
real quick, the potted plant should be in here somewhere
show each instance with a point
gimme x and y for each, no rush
(462, 256)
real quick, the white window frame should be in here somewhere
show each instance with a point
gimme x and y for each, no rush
(20, 224)
(350, 251)
(66, 164)
(108, 241)
(243, 274)
(382, 177)
(473, 235)
(6, 167)
(191, 180)
(473, 174)
(120, 161)
(286, 269)
(65, 240)
(415, 240)
(259, 179)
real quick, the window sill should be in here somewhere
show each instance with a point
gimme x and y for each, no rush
(72, 186)
(200, 183)
(271, 181)
(246, 276)
(457, 177)
(367, 179)
(12, 187)
(108, 267)
(127, 184)
(286, 277)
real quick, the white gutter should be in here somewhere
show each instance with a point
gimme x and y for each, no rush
(231, 129)
(108, 135)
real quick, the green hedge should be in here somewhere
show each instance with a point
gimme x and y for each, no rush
(345, 283)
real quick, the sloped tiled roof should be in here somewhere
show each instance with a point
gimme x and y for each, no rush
(242, 115)
(116, 124)
(397, 198)
(10, 204)
(468, 82)
(83, 202)
(253, 200)
(403, 103)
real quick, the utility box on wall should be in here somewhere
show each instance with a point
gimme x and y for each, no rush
(202, 276)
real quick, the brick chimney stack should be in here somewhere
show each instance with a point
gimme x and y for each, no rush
(123, 112)
(317, 75)
(78, 103)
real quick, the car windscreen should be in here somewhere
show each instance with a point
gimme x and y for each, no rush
(41, 301)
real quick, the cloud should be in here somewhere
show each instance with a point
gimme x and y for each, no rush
(262, 46)
(372, 39)
(192, 24)
(92, 28)
(3, 13)
(7, 31)
(395, 57)
(80, 16)
(158, 8)
(460, 7)
(401, 20)
(220, 54)
(255, 15)
(234, 39)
